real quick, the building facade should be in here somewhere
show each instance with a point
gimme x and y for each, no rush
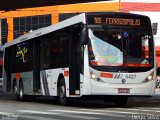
(3, 31)
(24, 20)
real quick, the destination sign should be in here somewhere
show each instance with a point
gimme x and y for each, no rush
(116, 21)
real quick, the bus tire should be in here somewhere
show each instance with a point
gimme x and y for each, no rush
(121, 101)
(21, 91)
(62, 99)
(15, 90)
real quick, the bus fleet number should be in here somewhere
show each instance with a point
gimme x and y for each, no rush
(130, 76)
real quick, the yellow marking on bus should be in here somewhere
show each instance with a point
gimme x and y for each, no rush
(22, 53)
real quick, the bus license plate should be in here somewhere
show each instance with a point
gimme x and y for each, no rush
(123, 90)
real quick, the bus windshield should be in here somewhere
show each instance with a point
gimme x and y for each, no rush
(129, 47)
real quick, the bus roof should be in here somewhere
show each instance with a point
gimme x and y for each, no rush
(42, 31)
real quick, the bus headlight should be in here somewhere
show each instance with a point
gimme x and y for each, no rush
(149, 78)
(93, 76)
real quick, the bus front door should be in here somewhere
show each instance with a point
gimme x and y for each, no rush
(74, 62)
(36, 67)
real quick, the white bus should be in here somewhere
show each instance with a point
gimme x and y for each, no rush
(103, 55)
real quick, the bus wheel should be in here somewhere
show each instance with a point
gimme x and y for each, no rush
(21, 92)
(62, 99)
(15, 90)
(121, 101)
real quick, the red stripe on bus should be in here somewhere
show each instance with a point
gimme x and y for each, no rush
(138, 65)
(17, 76)
(66, 73)
(106, 75)
(94, 63)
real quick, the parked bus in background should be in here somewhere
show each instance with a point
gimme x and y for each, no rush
(109, 55)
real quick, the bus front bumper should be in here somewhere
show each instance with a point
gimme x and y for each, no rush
(143, 89)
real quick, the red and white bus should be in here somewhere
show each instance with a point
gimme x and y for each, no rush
(109, 55)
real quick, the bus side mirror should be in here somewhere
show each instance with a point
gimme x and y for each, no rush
(84, 36)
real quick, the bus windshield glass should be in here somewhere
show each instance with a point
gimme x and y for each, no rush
(120, 47)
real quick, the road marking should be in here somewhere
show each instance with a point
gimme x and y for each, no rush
(138, 110)
(5, 113)
(78, 116)
(36, 112)
(115, 112)
(148, 108)
(8, 116)
(78, 112)
(111, 111)
(57, 114)
(94, 112)
(128, 111)
(35, 117)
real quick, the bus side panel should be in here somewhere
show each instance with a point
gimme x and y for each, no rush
(65, 73)
(86, 83)
(54, 55)
(27, 79)
(48, 79)
(54, 79)
(21, 64)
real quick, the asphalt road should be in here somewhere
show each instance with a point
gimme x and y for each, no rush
(47, 109)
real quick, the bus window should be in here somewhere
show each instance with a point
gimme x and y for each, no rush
(120, 47)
